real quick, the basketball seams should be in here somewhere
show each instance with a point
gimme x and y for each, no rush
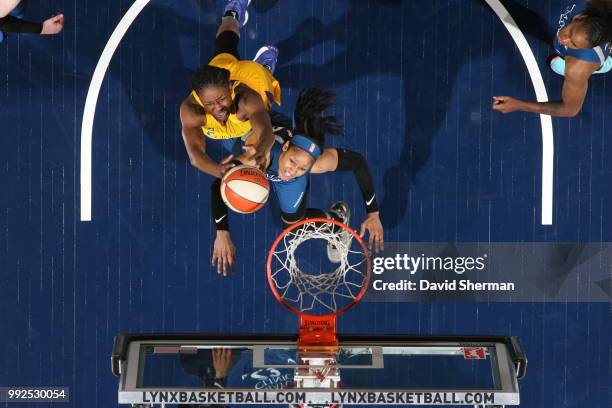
(245, 189)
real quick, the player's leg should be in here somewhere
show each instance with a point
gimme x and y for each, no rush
(340, 211)
(228, 35)
(293, 199)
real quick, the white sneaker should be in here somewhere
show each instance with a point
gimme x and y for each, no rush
(342, 210)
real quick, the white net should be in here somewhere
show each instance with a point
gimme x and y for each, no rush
(319, 292)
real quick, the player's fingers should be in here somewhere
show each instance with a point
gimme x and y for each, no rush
(371, 239)
(220, 265)
(225, 168)
(222, 262)
(232, 264)
(227, 159)
(379, 243)
(362, 230)
(229, 262)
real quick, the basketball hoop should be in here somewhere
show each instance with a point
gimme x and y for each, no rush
(318, 297)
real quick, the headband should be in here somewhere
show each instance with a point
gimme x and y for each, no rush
(307, 145)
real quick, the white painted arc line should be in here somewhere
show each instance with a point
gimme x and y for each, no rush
(548, 147)
(92, 99)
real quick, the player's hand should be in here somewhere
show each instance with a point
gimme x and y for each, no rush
(374, 228)
(224, 254)
(53, 25)
(225, 165)
(246, 158)
(256, 155)
(222, 361)
(506, 104)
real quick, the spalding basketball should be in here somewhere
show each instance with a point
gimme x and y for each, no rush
(245, 189)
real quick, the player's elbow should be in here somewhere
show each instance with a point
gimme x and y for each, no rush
(192, 159)
(572, 112)
(569, 111)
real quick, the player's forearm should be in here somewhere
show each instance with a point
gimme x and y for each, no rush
(203, 162)
(264, 137)
(17, 25)
(355, 162)
(553, 108)
(218, 209)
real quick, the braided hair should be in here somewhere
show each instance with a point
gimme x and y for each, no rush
(598, 20)
(309, 118)
(208, 75)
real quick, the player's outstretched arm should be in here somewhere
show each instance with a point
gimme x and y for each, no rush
(574, 91)
(52, 25)
(224, 250)
(192, 122)
(348, 160)
(262, 139)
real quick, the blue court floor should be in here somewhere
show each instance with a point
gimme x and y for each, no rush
(414, 81)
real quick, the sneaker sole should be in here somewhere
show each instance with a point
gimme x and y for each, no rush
(262, 50)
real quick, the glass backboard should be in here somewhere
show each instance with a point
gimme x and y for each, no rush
(363, 370)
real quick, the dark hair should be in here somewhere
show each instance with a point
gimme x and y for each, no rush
(598, 20)
(308, 115)
(208, 75)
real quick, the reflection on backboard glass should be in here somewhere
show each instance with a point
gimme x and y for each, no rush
(273, 367)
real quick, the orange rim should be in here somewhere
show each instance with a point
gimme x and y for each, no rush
(272, 251)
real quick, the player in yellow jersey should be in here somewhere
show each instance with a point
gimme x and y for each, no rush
(231, 98)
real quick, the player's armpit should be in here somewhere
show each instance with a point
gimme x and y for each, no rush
(328, 161)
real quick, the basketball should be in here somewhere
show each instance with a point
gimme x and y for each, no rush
(245, 189)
